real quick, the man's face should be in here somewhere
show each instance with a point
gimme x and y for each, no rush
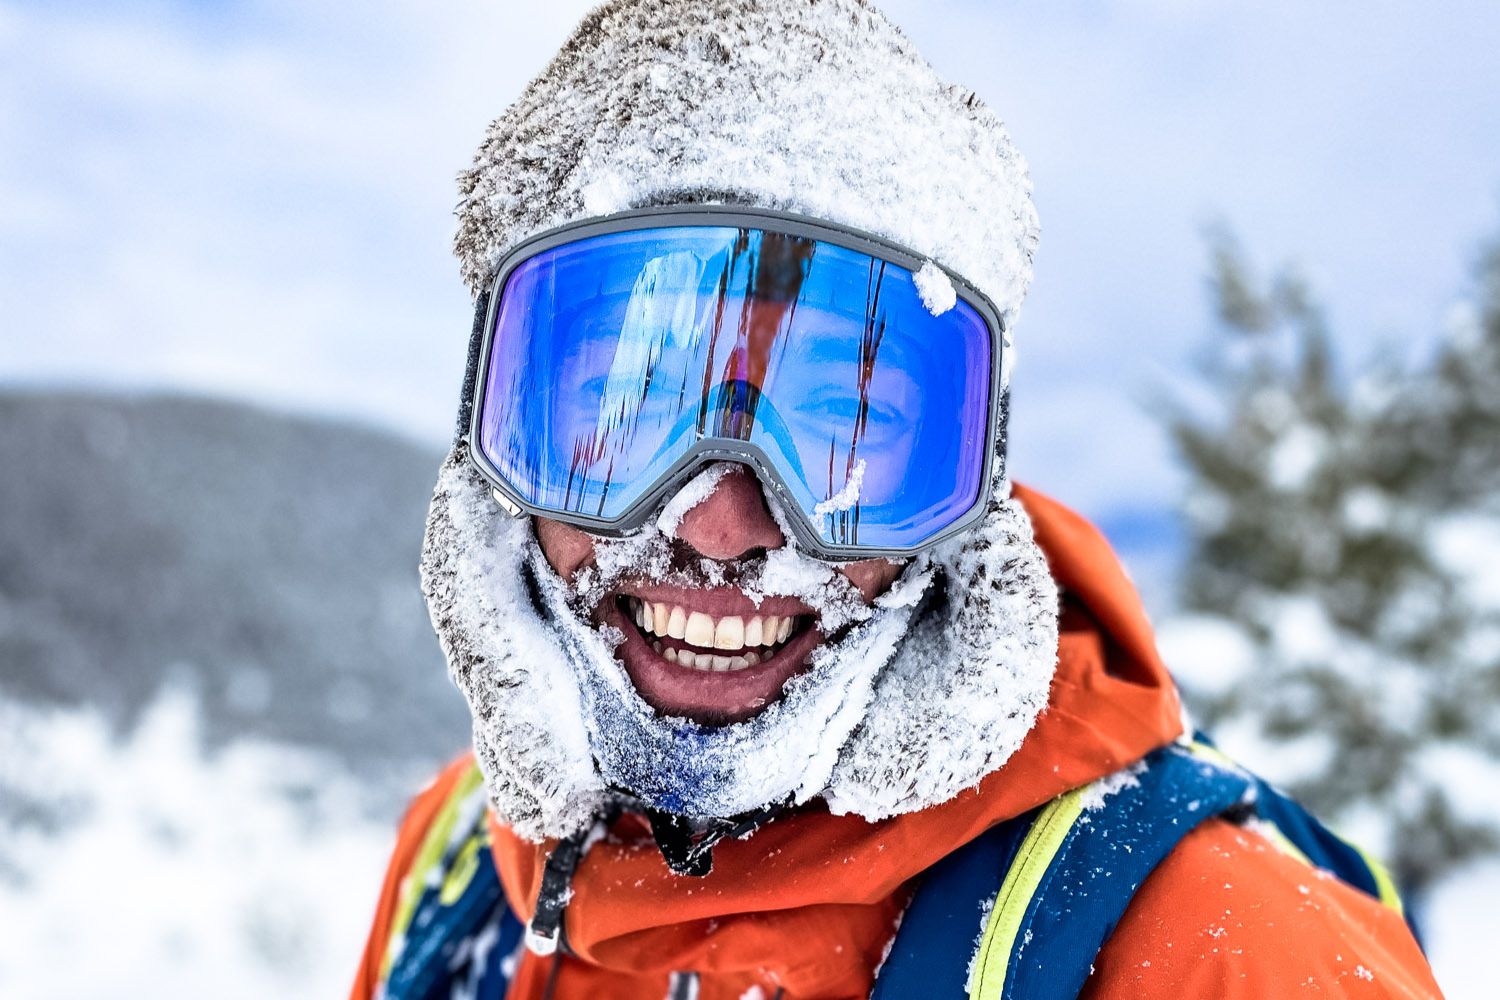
(713, 654)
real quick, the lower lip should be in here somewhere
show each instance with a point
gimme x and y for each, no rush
(709, 697)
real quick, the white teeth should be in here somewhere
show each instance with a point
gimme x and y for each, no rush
(700, 630)
(730, 633)
(708, 662)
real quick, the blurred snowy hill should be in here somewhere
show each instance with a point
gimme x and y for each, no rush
(218, 686)
(266, 563)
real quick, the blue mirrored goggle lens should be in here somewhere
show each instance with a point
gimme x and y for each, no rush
(614, 356)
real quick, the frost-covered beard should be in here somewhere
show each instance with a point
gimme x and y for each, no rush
(926, 692)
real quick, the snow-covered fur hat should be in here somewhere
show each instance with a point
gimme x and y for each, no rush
(821, 108)
(817, 107)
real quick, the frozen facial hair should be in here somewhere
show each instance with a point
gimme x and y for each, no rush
(925, 693)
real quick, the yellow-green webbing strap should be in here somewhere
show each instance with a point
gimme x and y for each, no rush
(429, 856)
(1033, 858)
(1385, 885)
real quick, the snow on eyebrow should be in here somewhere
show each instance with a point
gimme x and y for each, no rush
(936, 289)
(846, 498)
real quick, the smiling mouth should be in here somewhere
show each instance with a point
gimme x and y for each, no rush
(711, 654)
(699, 641)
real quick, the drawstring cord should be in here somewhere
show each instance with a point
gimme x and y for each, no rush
(550, 990)
(688, 847)
(544, 933)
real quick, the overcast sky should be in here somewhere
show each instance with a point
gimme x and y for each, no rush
(254, 198)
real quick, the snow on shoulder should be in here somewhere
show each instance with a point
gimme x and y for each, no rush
(1096, 794)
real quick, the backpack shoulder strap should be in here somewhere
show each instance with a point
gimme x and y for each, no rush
(932, 950)
(1080, 866)
(1044, 891)
(451, 922)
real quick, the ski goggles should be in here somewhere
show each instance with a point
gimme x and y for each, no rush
(611, 359)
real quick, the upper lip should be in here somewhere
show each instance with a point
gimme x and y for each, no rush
(716, 602)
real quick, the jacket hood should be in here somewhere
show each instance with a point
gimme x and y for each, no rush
(824, 109)
(816, 107)
(761, 914)
(924, 692)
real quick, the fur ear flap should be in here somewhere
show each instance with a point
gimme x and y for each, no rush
(920, 701)
(970, 681)
(529, 736)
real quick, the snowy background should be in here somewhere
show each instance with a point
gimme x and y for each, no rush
(208, 611)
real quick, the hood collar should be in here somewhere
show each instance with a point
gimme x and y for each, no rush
(1112, 701)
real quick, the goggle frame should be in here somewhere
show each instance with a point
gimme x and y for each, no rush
(715, 449)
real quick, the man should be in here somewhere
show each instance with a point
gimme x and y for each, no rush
(780, 688)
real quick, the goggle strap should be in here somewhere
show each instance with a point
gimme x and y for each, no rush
(471, 370)
(506, 504)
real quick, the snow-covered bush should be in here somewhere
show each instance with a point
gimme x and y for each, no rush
(1343, 569)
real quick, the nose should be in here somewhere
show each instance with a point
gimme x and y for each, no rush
(732, 520)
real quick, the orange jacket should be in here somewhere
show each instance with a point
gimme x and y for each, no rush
(808, 904)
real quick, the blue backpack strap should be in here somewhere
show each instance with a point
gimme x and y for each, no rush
(1080, 865)
(452, 933)
(1047, 888)
(931, 952)
(1055, 882)
(1022, 911)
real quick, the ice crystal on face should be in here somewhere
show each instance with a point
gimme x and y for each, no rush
(936, 289)
(694, 492)
(821, 109)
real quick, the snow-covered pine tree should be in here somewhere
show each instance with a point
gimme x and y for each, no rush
(1344, 533)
